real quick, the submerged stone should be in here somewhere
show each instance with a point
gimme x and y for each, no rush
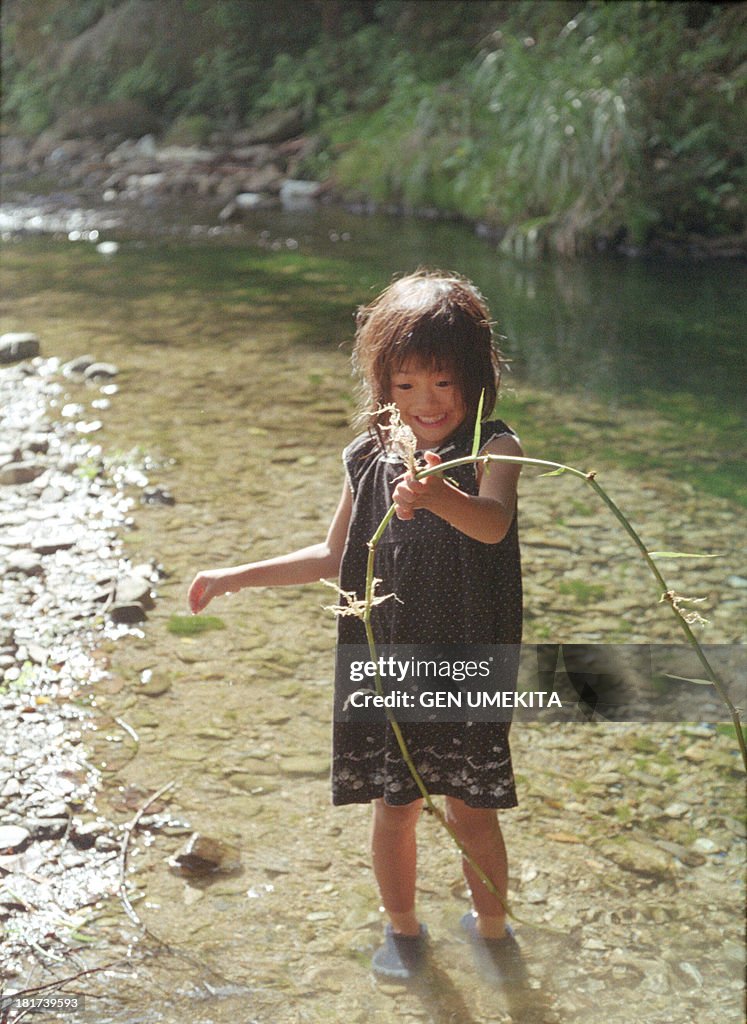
(155, 687)
(157, 496)
(305, 764)
(79, 365)
(100, 371)
(637, 856)
(202, 855)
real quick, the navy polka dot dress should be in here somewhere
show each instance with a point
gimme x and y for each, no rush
(451, 589)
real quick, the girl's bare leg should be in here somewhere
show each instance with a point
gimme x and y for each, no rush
(478, 830)
(393, 851)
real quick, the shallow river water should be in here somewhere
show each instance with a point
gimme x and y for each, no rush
(233, 352)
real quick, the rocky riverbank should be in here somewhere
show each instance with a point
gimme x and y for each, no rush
(91, 159)
(233, 175)
(237, 173)
(68, 591)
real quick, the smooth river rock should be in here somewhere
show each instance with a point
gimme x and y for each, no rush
(25, 562)
(134, 589)
(639, 857)
(48, 545)
(20, 472)
(13, 837)
(100, 371)
(17, 346)
(127, 614)
(202, 855)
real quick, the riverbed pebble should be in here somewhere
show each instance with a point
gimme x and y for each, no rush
(60, 555)
(17, 346)
(20, 472)
(202, 855)
(13, 837)
(25, 562)
(134, 589)
(100, 371)
(48, 545)
(127, 613)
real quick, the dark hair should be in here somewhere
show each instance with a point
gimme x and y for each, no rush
(438, 319)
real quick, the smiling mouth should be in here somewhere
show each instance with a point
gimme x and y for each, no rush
(432, 421)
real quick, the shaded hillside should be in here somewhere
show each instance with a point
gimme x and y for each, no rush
(554, 124)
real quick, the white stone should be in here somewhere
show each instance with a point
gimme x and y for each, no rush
(184, 154)
(705, 845)
(13, 836)
(676, 810)
(249, 200)
(16, 346)
(296, 195)
(16, 337)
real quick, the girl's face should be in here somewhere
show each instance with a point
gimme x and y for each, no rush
(429, 401)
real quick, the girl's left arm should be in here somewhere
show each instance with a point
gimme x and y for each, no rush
(485, 516)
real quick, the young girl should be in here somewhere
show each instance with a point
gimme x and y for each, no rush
(451, 557)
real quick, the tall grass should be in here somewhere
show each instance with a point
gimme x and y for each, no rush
(572, 132)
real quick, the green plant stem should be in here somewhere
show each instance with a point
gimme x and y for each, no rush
(401, 742)
(666, 595)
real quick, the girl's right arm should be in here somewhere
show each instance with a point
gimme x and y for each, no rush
(307, 565)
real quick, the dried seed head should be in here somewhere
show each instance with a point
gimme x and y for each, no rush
(400, 440)
(691, 617)
(353, 604)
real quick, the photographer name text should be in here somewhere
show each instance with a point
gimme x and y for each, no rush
(444, 699)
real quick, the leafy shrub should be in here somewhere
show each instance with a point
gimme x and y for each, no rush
(558, 120)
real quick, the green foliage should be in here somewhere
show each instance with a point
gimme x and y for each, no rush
(69, 20)
(189, 130)
(572, 127)
(558, 122)
(337, 75)
(242, 42)
(26, 100)
(581, 591)
(152, 82)
(193, 625)
(731, 731)
(222, 85)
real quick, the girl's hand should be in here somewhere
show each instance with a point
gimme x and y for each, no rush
(207, 585)
(411, 494)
